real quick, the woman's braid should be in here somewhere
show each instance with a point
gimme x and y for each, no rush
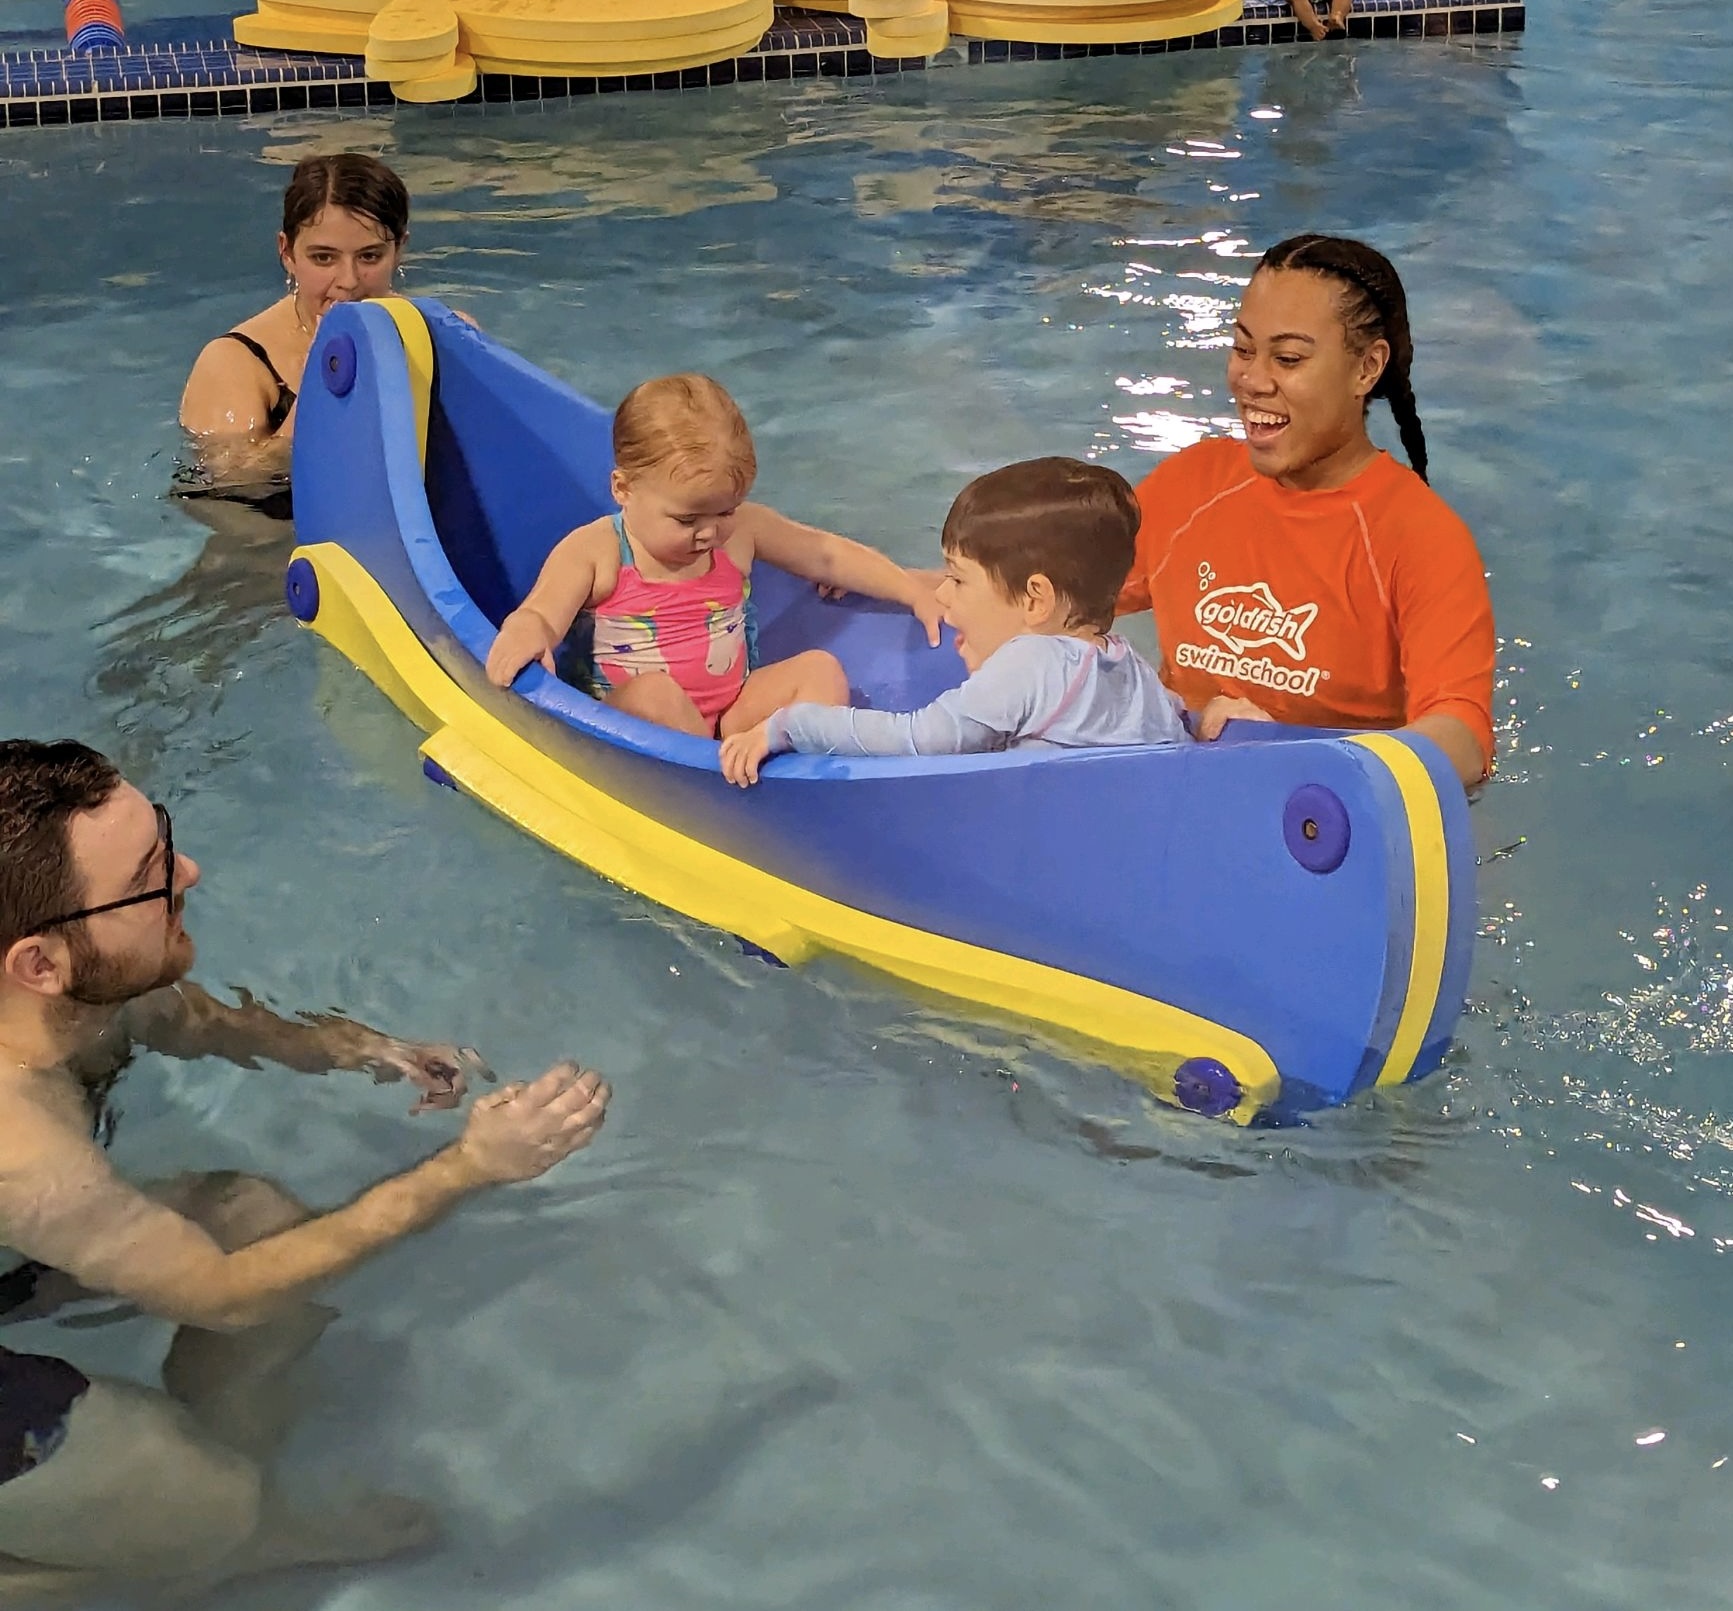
(1374, 306)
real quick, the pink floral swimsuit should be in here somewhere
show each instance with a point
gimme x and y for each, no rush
(701, 630)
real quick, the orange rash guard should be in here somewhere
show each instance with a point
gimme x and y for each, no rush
(1363, 606)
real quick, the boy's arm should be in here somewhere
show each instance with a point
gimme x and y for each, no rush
(839, 562)
(987, 711)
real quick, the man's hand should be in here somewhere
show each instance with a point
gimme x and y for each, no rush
(524, 1130)
(743, 754)
(1224, 708)
(441, 1073)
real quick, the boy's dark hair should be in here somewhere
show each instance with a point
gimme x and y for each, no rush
(1074, 523)
(42, 787)
(357, 183)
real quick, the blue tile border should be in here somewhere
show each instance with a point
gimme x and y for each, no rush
(220, 78)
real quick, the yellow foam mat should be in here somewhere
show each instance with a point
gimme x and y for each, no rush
(499, 53)
(343, 12)
(872, 10)
(413, 31)
(661, 27)
(606, 37)
(279, 27)
(450, 85)
(1048, 24)
(396, 68)
(920, 26)
(1078, 10)
(926, 44)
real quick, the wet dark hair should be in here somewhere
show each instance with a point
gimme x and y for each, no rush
(355, 182)
(42, 787)
(1374, 306)
(1074, 523)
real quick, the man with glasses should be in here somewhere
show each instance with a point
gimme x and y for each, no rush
(102, 1480)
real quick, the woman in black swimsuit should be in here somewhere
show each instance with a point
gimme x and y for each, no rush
(345, 224)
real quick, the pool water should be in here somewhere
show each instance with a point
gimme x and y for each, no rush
(860, 1302)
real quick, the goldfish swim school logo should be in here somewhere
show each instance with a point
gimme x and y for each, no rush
(1245, 618)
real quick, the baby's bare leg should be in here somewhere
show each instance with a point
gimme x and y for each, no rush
(1308, 17)
(813, 678)
(656, 697)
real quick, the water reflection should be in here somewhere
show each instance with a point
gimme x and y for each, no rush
(167, 657)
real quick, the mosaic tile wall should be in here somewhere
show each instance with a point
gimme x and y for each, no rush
(221, 78)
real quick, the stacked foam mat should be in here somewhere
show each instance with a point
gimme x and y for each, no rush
(896, 27)
(431, 50)
(920, 27)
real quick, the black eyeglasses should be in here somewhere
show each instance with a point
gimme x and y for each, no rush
(166, 833)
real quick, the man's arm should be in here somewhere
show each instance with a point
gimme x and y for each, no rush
(187, 1021)
(63, 1205)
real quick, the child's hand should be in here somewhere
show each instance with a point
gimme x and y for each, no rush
(524, 637)
(743, 754)
(923, 601)
(1224, 708)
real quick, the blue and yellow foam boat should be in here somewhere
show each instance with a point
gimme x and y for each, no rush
(1275, 922)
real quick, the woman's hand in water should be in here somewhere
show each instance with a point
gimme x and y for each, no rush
(1224, 708)
(524, 1130)
(523, 637)
(743, 754)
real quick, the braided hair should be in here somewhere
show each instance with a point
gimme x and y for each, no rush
(1374, 307)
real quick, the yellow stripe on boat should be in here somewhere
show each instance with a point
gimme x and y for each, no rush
(1431, 901)
(418, 354)
(517, 780)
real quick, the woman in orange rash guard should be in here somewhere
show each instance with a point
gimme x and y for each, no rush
(1303, 575)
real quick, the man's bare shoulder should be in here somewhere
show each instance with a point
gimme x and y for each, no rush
(49, 1159)
(39, 1106)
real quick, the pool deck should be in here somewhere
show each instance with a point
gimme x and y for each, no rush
(160, 74)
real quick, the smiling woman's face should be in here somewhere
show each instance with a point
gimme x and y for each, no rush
(1299, 387)
(339, 256)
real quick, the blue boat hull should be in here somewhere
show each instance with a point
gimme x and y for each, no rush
(1310, 895)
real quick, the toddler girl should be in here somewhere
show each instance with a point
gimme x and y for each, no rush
(668, 580)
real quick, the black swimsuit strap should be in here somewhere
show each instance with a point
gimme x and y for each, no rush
(285, 392)
(258, 352)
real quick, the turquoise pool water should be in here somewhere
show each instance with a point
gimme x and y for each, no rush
(859, 1304)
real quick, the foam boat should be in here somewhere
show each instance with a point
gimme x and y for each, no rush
(1268, 925)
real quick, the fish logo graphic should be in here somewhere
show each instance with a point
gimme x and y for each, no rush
(1246, 618)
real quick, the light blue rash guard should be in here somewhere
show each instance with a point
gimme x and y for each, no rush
(1033, 692)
